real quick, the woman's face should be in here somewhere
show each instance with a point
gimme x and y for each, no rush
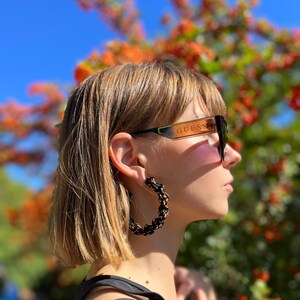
(194, 176)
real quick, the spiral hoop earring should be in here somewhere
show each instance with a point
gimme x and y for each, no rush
(163, 210)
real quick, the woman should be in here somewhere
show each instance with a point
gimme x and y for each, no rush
(142, 153)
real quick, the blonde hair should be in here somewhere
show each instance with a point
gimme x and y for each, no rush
(89, 219)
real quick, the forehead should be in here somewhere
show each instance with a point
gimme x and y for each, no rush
(195, 110)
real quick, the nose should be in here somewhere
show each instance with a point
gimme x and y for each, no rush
(232, 157)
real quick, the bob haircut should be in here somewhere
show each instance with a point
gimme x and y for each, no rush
(89, 218)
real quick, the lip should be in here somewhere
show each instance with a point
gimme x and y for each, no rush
(228, 187)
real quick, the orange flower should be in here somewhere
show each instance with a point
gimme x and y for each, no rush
(262, 275)
(294, 101)
(10, 122)
(278, 166)
(13, 107)
(254, 2)
(21, 158)
(249, 117)
(184, 27)
(166, 19)
(94, 57)
(138, 32)
(50, 91)
(108, 58)
(180, 3)
(124, 52)
(248, 101)
(269, 235)
(32, 215)
(190, 51)
(256, 231)
(60, 115)
(12, 216)
(85, 4)
(51, 263)
(273, 198)
(82, 71)
(236, 145)
(272, 234)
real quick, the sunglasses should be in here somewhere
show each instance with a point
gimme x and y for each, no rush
(195, 127)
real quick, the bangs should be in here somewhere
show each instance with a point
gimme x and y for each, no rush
(177, 89)
(210, 100)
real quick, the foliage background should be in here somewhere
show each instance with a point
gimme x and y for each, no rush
(254, 252)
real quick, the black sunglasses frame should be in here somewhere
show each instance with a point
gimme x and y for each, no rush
(213, 124)
(222, 132)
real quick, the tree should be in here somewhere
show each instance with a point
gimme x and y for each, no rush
(13, 240)
(253, 252)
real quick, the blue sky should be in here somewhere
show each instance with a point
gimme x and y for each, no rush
(44, 40)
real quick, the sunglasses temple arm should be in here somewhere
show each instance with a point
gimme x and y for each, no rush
(153, 130)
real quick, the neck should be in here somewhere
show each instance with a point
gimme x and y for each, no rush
(165, 241)
(154, 264)
(155, 254)
(155, 259)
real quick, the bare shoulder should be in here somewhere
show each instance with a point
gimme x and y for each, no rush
(107, 294)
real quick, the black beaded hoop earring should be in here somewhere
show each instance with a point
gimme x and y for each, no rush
(163, 210)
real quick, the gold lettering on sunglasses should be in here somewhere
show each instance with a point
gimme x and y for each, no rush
(193, 128)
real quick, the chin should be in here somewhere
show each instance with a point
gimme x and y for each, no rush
(212, 215)
(220, 213)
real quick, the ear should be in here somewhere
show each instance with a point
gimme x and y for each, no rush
(125, 157)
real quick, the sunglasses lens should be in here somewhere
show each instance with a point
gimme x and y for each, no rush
(222, 131)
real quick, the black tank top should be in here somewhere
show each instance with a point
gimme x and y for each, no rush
(120, 284)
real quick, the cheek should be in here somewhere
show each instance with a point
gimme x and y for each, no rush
(198, 169)
(201, 155)
(181, 166)
(196, 189)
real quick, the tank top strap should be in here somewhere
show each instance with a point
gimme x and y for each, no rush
(121, 284)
